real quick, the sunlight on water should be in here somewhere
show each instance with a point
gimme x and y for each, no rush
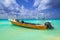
(12, 32)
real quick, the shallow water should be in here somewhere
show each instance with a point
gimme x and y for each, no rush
(12, 32)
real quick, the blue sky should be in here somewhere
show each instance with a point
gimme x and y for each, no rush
(30, 9)
(27, 4)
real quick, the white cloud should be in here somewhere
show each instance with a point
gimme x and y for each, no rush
(7, 2)
(8, 5)
(13, 6)
(37, 2)
(42, 4)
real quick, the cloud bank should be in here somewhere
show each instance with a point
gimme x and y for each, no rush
(11, 9)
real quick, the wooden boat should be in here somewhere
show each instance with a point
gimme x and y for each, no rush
(35, 26)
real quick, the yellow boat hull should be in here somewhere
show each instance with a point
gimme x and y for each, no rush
(42, 27)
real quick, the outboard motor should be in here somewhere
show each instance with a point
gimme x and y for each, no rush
(22, 21)
(49, 26)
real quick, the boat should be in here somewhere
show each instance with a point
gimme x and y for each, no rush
(28, 25)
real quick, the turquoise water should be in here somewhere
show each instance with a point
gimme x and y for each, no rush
(12, 32)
